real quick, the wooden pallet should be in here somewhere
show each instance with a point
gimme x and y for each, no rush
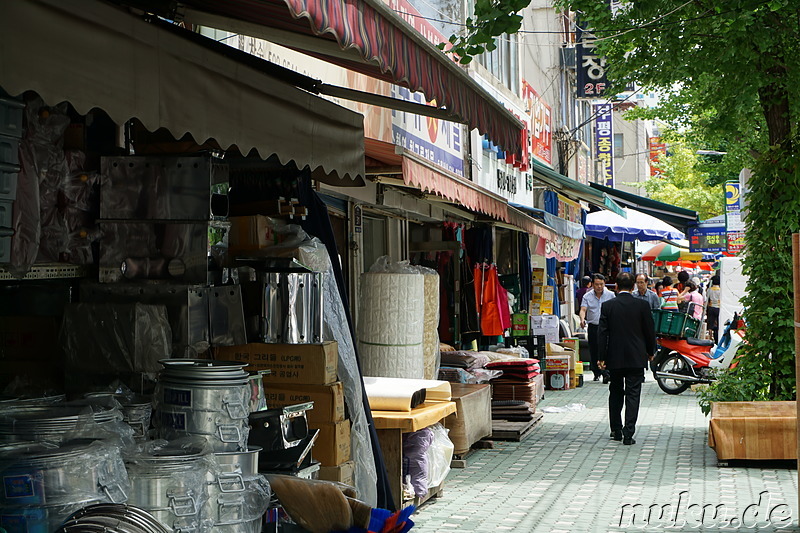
(514, 431)
(460, 460)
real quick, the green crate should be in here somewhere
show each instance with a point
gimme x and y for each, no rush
(691, 327)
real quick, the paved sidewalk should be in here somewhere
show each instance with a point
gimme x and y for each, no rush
(569, 477)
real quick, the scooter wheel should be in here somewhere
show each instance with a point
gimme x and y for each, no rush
(673, 364)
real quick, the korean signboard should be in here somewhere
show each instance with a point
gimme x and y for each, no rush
(438, 141)
(541, 125)
(604, 142)
(591, 68)
(658, 150)
(733, 217)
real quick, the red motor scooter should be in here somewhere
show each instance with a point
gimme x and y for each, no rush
(682, 362)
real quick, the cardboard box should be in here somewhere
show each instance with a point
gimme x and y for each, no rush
(473, 417)
(537, 276)
(328, 400)
(573, 344)
(520, 324)
(753, 430)
(252, 233)
(545, 322)
(344, 473)
(312, 364)
(332, 447)
(550, 335)
(557, 362)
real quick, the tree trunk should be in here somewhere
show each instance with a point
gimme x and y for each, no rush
(774, 100)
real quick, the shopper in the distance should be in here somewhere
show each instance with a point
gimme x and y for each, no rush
(669, 296)
(712, 311)
(643, 293)
(626, 342)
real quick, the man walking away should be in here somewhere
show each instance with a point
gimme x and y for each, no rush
(643, 293)
(712, 312)
(626, 341)
(590, 314)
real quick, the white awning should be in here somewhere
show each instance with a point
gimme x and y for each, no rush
(93, 54)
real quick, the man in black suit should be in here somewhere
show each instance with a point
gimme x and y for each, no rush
(626, 341)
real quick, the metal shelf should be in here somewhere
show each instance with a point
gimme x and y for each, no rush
(47, 271)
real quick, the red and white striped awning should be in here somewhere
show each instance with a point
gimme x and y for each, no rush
(365, 36)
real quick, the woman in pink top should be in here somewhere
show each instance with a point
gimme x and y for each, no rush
(691, 295)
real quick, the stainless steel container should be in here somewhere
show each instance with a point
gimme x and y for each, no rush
(204, 397)
(78, 471)
(237, 495)
(171, 485)
(108, 518)
(290, 307)
(136, 410)
(50, 423)
(39, 519)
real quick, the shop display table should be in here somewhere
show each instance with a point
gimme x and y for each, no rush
(391, 425)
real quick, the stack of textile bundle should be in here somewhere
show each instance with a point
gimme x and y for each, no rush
(514, 392)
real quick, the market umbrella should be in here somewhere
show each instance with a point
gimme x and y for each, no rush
(702, 265)
(667, 252)
(637, 225)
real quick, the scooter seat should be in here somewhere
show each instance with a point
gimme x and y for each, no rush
(699, 342)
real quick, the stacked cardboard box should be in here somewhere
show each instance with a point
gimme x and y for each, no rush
(537, 290)
(576, 366)
(302, 373)
(546, 325)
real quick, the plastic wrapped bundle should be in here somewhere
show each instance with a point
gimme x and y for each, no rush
(44, 484)
(391, 323)
(168, 479)
(430, 335)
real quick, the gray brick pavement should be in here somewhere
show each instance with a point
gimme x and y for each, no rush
(569, 477)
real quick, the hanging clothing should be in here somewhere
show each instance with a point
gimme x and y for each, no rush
(487, 285)
(524, 272)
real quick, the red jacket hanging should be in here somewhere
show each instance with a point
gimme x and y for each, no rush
(487, 296)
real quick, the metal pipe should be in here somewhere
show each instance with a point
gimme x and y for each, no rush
(681, 377)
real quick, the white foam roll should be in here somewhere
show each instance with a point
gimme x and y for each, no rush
(391, 325)
(430, 334)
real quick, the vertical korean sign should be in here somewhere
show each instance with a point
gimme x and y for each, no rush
(733, 217)
(541, 125)
(604, 142)
(658, 150)
(591, 68)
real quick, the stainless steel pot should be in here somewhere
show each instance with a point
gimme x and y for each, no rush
(245, 462)
(75, 472)
(222, 433)
(233, 400)
(39, 519)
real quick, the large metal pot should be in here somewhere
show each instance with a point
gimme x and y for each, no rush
(231, 399)
(39, 519)
(77, 471)
(136, 410)
(39, 422)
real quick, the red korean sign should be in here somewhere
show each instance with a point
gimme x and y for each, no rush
(541, 133)
(658, 149)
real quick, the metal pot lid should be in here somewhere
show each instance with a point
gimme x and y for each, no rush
(205, 383)
(209, 365)
(195, 373)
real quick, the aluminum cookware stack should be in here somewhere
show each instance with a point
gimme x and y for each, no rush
(238, 496)
(205, 398)
(112, 518)
(43, 483)
(136, 410)
(24, 422)
(168, 480)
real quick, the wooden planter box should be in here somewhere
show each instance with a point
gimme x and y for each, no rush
(753, 430)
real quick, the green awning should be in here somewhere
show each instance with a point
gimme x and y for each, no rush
(679, 217)
(575, 189)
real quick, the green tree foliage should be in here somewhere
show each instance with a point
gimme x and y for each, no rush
(492, 18)
(683, 183)
(730, 70)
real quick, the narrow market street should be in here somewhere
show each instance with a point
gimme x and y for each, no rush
(568, 476)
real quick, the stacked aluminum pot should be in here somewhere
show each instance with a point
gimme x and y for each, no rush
(43, 484)
(112, 518)
(205, 398)
(238, 496)
(136, 410)
(25, 422)
(169, 481)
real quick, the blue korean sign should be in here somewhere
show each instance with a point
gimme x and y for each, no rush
(604, 142)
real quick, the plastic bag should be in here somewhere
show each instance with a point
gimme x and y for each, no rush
(569, 408)
(384, 264)
(440, 454)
